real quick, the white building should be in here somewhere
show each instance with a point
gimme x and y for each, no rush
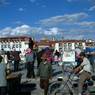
(20, 43)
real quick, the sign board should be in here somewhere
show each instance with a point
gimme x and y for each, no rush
(56, 47)
(68, 56)
(90, 49)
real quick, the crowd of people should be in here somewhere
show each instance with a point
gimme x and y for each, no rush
(45, 58)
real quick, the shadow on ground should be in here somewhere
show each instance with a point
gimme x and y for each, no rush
(56, 73)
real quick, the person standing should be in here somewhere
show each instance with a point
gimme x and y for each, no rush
(84, 70)
(39, 60)
(56, 57)
(3, 80)
(16, 59)
(45, 73)
(29, 63)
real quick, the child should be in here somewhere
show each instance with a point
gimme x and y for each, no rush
(45, 73)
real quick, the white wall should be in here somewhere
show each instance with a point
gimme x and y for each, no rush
(56, 47)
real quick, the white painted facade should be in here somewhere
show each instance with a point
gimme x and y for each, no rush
(19, 46)
(68, 49)
(17, 43)
(56, 47)
(72, 46)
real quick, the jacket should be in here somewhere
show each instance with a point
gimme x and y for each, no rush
(45, 70)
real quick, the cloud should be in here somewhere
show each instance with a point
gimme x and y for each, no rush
(77, 37)
(21, 30)
(92, 8)
(19, 23)
(72, 0)
(69, 0)
(44, 6)
(21, 9)
(73, 20)
(4, 2)
(26, 30)
(39, 32)
(92, 1)
(87, 24)
(79, 33)
(52, 31)
(32, 1)
(67, 18)
(6, 31)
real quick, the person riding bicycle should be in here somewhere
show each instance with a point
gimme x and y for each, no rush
(84, 70)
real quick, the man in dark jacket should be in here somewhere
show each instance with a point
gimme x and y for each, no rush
(16, 59)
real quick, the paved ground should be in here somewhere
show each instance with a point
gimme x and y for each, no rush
(37, 90)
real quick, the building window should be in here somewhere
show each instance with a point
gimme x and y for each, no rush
(13, 46)
(2, 46)
(9, 45)
(20, 45)
(65, 46)
(69, 46)
(17, 45)
(5, 46)
(80, 44)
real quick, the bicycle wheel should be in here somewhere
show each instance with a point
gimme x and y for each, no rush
(53, 86)
(63, 90)
(58, 92)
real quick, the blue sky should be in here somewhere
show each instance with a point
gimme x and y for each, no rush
(71, 19)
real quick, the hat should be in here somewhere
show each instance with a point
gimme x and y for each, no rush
(82, 54)
(44, 56)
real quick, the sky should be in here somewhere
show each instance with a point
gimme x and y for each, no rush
(68, 19)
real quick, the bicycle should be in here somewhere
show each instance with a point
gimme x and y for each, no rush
(63, 86)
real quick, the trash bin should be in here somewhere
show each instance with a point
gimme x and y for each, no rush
(13, 85)
(26, 88)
